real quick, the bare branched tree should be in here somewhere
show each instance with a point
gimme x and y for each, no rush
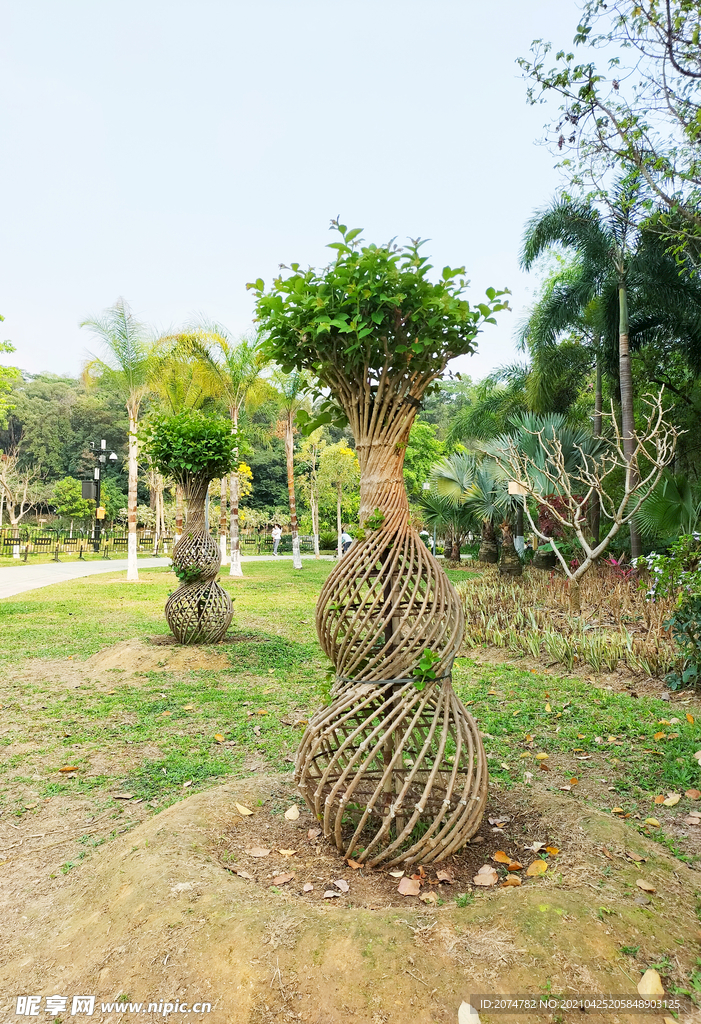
(567, 495)
(17, 489)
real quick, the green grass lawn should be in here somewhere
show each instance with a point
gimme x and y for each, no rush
(153, 733)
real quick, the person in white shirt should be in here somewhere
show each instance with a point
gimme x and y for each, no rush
(276, 535)
(346, 541)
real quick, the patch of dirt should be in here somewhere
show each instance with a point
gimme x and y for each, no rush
(131, 656)
(158, 914)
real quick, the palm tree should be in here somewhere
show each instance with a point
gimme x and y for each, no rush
(126, 370)
(182, 379)
(446, 517)
(293, 392)
(606, 261)
(238, 366)
(480, 490)
(672, 508)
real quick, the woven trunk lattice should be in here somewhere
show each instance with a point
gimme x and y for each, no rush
(200, 610)
(394, 768)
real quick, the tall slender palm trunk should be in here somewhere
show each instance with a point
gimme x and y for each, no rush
(222, 521)
(235, 567)
(132, 568)
(289, 453)
(627, 411)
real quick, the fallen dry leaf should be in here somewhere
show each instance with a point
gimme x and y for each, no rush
(123, 796)
(354, 864)
(429, 898)
(486, 876)
(574, 781)
(243, 874)
(445, 876)
(689, 718)
(313, 833)
(636, 857)
(257, 851)
(218, 737)
(342, 884)
(645, 886)
(607, 853)
(693, 794)
(307, 887)
(659, 736)
(292, 813)
(188, 707)
(287, 853)
(242, 810)
(672, 799)
(511, 880)
(697, 755)
(330, 894)
(69, 768)
(535, 847)
(409, 887)
(29, 807)
(692, 820)
(396, 874)
(659, 799)
(650, 984)
(282, 879)
(541, 757)
(501, 857)
(538, 867)
(652, 821)
(617, 810)
(514, 866)
(552, 850)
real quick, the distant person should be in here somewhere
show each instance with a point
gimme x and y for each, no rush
(346, 541)
(276, 535)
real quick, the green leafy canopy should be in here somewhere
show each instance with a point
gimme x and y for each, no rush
(189, 444)
(374, 309)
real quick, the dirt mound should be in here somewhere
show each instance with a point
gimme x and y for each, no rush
(160, 916)
(132, 656)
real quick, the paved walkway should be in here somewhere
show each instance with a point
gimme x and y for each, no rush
(17, 579)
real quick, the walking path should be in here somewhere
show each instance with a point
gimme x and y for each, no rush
(17, 579)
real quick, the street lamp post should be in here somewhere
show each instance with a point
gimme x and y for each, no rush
(92, 488)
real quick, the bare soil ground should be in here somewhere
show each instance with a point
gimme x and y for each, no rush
(159, 913)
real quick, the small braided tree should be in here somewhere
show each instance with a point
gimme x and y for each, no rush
(194, 449)
(394, 767)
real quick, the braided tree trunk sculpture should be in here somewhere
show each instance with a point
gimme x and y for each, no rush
(394, 767)
(200, 610)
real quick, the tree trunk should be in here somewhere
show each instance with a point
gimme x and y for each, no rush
(132, 568)
(235, 569)
(595, 520)
(339, 528)
(289, 453)
(627, 411)
(509, 562)
(488, 551)
(178, 512)
(519, 539)
(222, 522)
(234, 540)
(315, 520)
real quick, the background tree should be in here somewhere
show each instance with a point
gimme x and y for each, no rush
(310, 452)
(338, 471)
(126, 370)
(237, 366)
(293, 390)
(8, 376)
(641, 115)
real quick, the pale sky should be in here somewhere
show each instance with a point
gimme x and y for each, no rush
(169, 151)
